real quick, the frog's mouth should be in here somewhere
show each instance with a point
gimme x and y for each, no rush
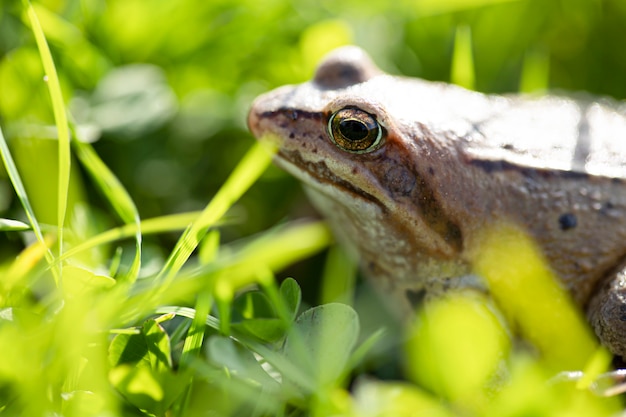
(324, 178)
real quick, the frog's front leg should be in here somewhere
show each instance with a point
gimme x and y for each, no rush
(607, 311)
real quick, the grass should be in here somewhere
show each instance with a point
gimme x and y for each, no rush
(215, 334)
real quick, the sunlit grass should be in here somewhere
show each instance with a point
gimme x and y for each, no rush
(463, 59)
(214, 333)
(531, 298)
(60, 117)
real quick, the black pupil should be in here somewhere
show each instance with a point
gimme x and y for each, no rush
(353, 130)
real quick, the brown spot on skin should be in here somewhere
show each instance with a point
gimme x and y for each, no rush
(431, 170)
(568, 221)
(399, 180)
(416, 298)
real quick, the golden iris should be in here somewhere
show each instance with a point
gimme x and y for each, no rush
(355, 130)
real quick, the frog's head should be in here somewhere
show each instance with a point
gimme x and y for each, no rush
(349, 135)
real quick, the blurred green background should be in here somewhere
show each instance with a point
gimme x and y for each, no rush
(162, 87)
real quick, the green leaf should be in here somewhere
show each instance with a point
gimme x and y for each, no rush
(252, 304)
(322, 340)
(127, 349)
(265, 330)
(142, 368)
(139, 385)
(158, 343)
(79, 282)
(292, 295)
(150, 347)
(255, 315)
(240, 362)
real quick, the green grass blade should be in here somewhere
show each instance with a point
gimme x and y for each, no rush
(339, 279)
(60, 117)
(235, 267)
(117, 196)
(462, 60)
(535, 71)
(18, 185)
(247, 171)
(159, 224)
(193, 344)
(10, 225)
(195, 336)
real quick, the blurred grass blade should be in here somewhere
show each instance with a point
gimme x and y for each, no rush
(195, 336)
(433, 7)
(535, 71)
(10, 225)
(247, 171)
(22, 265)
(193, 344)
(462, 59)
(159, 224)
(339, 277)
(18, 186)
(237, 267)
(275, 251)
(528, 294)
(60, 117)
(117, 196)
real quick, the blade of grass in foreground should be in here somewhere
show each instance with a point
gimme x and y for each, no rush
(168, 223)
(18, 186)
(535, 71)
(249, 169)
(236, 266)
(462, 59)
(117, 196)
(60, 117)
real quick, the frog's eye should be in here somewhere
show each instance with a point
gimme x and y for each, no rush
(354, 130)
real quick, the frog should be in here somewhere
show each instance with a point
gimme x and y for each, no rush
(408, 172)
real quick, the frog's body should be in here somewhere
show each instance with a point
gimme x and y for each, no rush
(450, 162)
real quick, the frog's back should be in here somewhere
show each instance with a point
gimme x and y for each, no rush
(556, 133)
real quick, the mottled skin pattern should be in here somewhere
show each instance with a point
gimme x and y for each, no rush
(452, 162)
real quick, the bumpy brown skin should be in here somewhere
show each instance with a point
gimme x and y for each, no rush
(451, 163)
